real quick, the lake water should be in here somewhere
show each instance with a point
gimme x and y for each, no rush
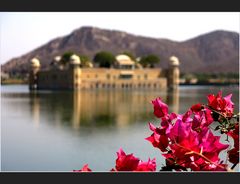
(61, 131)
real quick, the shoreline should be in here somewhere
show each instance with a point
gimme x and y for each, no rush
(210, 84)
(197, 84)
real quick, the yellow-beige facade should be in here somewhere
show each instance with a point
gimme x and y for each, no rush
(125, 74)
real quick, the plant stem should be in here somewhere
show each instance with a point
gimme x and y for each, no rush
(218, 113)
(199, 154)
(234, 165)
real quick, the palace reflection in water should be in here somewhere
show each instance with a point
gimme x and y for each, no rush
(98, 108)
(61, 131)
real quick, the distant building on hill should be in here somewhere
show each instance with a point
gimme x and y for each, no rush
(125, 74)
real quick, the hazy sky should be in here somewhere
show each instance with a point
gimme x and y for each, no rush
(22, 32)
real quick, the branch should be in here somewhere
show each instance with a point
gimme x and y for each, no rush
(204, 157)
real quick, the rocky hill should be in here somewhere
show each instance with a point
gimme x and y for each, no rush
(216, 51)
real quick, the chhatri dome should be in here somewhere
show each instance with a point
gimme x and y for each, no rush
(57, 58)
(35, 62)
(123, 59)
(75, 60)
(174, 61)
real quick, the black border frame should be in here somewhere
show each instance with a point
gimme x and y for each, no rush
(99, 177)
(119, 6)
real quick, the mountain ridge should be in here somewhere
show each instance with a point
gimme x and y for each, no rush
(216, 51)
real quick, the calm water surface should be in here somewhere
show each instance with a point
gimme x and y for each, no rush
(61, 131)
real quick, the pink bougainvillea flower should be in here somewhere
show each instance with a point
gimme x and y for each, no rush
(126, 162)
(223, 105)
(208, 117)
(186, 117)
(187, 145)
(233, 154)
(160, 108)
(150, 165)
(201, 164)
(216, 102)
(183, 140)
(229, 105)
(129, 162)
(210, 145)
(168, 120)
(188, 141)
(158, 138)
(179, 131)
(172, 116)
(235, 135)
(84, 169)
(202, 119)
(197, 107)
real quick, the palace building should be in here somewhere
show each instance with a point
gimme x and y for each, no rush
(125, 74)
